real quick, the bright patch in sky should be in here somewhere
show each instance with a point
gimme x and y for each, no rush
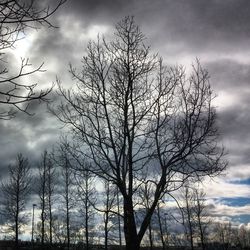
(221, 188)
(22, 47)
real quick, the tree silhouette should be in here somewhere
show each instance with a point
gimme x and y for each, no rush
(129, 112)
(16, 190)
(46, 184)
(86, 199)
(16, 16)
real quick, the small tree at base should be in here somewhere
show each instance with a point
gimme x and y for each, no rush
(16, 190)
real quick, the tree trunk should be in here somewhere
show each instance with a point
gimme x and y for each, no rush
(106, 230)
(50, 204)
(50, 224)
(160, 227)
(16, 233)
(131, 237)
(190, 226)
(43, 225)
(150, 236)
(67, 194)
(43, 194)
(119, 219)
(87, 232)
(87, 214)
(17, 220)
(67, 223)
(201, 235)
(189, 220)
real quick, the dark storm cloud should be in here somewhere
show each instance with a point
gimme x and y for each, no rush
(234, 127)
(231, 78)
(52, 45)
(173, 27)
(201, 25)
(97, 10)
(194, 25)
(234, 121)
(197, 28)
(29, 135)
(229, 74)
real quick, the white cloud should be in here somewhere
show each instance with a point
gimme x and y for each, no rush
(239, 172)
(219, 187)
(226, 210)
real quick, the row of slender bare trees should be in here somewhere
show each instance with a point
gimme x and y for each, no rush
(66, 201)
(17, 92)
(74, 207)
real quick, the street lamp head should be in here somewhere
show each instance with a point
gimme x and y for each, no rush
(34, 205)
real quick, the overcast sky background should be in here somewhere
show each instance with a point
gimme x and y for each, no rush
(216, 32)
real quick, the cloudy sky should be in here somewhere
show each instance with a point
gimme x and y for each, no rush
(216, 32)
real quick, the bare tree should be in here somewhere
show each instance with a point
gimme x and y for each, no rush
(110, 197)
(51, 182)
(118, 216)
(67, 195)
(163, 232)
(146, 197)
(43, 193)
(129, 112)
(194, 213)
(243, 237)
(58, 227)
(188, 214)
(16, 16)
(86, 198)
(47, 180)
(201, 215)
(16, 190)
(224, 233)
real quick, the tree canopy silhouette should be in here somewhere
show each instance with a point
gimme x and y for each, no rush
(138, 121)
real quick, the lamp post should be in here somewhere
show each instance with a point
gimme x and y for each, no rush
(32, 230)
